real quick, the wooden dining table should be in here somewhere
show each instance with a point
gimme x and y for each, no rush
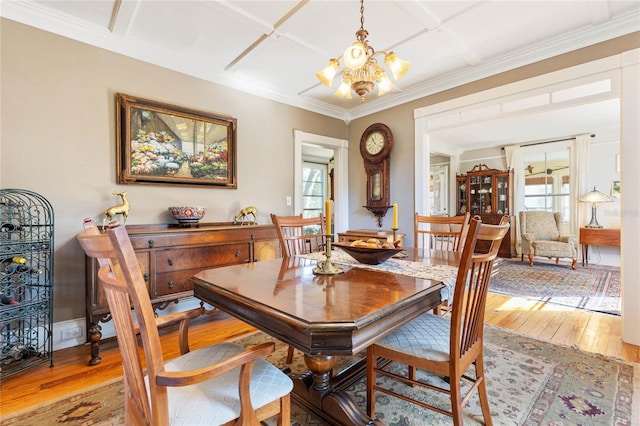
(324, 316)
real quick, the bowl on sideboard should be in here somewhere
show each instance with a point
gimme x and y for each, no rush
(187, 214)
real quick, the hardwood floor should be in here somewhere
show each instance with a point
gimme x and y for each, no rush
(592, 332)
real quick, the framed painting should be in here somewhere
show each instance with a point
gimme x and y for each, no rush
(160, 143)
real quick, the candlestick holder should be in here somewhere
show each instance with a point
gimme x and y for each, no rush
(326, 267)
(395, 234)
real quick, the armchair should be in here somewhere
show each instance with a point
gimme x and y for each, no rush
(541, 236)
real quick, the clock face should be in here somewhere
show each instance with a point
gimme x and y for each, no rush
(374, 143)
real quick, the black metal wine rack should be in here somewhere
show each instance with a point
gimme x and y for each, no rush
(26, 280)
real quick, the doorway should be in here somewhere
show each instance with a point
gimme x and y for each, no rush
(340, 148)
(534, 96)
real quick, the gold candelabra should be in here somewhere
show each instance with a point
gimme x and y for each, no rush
(326, 267)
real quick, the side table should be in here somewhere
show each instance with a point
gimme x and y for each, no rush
(597, 237)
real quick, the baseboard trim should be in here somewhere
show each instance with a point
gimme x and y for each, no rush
(67, 334)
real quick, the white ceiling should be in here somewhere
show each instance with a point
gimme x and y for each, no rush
(274, 48)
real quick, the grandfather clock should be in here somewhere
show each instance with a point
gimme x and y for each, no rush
(375, 147)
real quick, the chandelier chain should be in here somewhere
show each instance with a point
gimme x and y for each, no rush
(362, 14)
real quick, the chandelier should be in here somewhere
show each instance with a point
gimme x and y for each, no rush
(361, 70)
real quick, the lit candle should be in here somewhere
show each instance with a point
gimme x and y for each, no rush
(395, 215)
(327, 212)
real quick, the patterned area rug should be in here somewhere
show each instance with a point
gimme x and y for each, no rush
(594, 288)
(530, 382)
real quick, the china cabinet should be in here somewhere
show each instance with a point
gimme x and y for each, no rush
(26, 280)
(488, 193)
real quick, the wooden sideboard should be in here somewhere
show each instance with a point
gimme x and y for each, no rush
(597, 237)
(170, 254)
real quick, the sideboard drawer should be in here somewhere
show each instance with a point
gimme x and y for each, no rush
(197, 257)
(174, 282)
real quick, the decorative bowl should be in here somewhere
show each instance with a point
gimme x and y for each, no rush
(187, 214)
(370, 256)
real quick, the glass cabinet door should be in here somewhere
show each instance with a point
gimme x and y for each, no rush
(461, 184)
(480, 192)
(502, 196)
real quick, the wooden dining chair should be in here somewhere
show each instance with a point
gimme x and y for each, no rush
(444, 346)
(222, 384)
(440, 233)
(299, 235)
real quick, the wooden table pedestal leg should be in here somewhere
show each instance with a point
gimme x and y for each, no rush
(316, 392)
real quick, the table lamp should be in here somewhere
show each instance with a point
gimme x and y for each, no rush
(594, 197)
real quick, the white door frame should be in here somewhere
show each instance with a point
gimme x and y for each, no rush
(341, 180)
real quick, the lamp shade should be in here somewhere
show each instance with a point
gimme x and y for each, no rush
(355, 56)
(344, 91)
(397, 66)
(595, 196)
(384, 84)
(327, 73)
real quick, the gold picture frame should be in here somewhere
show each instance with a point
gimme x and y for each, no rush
(164, 144)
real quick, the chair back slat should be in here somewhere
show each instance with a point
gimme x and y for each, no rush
(472, 285)
(440, 232)
(299, 235)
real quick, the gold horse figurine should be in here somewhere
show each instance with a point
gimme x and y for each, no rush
(244, 215)
(122, 209)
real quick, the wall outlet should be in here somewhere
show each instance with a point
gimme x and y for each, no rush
(71, 333)
(288, 200)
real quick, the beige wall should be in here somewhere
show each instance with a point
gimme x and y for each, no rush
(58, 139)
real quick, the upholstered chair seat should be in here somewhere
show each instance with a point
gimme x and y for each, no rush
(428, 337)
(217, 401)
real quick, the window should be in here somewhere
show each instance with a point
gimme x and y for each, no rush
(547, 181)
(439, 189)
(314, 189)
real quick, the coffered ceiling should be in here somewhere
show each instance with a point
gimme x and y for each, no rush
(273, 48)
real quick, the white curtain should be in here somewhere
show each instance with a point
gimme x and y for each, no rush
(514, 161)
(579, 178)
